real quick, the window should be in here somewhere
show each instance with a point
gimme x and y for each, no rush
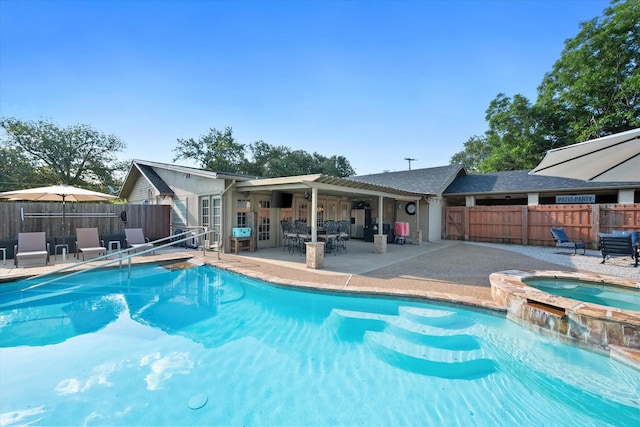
(243, 208)
(320, 213)
(302, 212)
(216, 215)
(204, 212)
(287, 214)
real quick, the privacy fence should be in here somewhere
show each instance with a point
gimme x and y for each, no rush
(108, 218)
(529, 225)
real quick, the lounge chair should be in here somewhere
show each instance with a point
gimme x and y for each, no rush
(136, 240)
(562, 241)
(32, 249)
(88, 243)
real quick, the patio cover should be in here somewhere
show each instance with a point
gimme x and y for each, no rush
(326, 185)
(613, 158)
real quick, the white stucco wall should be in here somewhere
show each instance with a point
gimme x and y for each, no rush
(625, 196)
(435, 218)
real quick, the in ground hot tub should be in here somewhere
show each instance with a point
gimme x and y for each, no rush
(604, 324)
(591, 292)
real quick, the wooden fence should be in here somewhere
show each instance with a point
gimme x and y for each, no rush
(19, 217)
(529, 225)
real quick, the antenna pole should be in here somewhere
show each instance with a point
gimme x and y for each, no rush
(409, 159)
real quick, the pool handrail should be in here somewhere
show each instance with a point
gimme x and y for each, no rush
(176, 238)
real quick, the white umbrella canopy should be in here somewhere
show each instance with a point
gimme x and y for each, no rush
(57, 193)
(613, 158)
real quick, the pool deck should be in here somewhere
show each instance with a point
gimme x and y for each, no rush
(445, 271)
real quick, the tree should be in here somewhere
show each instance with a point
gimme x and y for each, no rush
(334, 166)
(75, 155)
(512, 141)
(513, 138)
(594, 88)
(220, 151)
(476, 150)
(17, 171)
(216, 150)
(269, 160)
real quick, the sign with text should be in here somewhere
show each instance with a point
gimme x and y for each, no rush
(576, 198)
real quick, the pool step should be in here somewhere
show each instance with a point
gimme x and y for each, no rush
(425, 341)
(435, 317)
(461, 339)
(352, 325)
(427, 360)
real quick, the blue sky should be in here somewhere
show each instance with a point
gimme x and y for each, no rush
(374, 81)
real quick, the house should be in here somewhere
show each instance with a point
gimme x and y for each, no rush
(222, 201)
(195, 195)
(430, 183)
(521, 188)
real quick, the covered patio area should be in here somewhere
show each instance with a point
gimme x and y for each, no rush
(315, 199)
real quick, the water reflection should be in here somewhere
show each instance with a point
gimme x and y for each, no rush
(55, 320)
(167, 299)
(192, 296)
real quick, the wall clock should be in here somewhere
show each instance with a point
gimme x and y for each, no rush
(411, 208)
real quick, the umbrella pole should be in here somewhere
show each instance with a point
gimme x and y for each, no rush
(64, 225)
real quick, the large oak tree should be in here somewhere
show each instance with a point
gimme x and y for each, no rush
(218, 150)
(39, 153)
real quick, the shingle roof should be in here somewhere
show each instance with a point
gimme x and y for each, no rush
(155, 180)
(424, 181)
(521, 181)
(207, 173)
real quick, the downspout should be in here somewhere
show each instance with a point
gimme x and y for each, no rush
(233, 183)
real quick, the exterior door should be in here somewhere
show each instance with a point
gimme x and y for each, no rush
(264, 227)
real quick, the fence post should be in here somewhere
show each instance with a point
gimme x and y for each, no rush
(525, 225)
(465, 221)
(595, 226)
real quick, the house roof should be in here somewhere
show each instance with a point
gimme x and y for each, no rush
(521, 181)
(430, 181)
(326, 185)
(147, 169)
(155, 180)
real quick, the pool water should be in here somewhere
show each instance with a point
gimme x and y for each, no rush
(607, 295)
(201, 346)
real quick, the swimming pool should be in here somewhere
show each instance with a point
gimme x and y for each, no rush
(201, 346)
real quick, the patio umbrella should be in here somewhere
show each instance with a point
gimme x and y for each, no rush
(607, 159)
(57, 193)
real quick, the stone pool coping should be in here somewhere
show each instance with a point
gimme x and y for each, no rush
(605, 329)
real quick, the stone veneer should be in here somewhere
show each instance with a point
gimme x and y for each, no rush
(315, 255)
(586, 324)
(380, 243)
